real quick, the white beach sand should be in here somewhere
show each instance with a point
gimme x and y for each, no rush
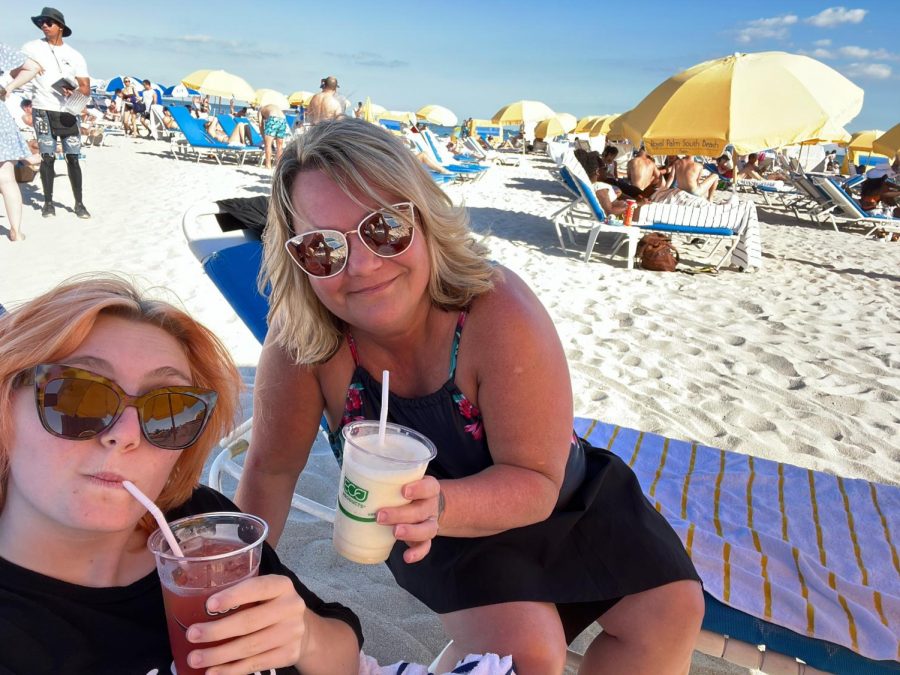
(797, 363)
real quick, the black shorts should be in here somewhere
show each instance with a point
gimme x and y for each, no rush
(576, 616)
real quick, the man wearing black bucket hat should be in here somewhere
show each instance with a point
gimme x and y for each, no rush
(60, 93)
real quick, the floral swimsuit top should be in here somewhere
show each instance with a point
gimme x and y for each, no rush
(447, 417)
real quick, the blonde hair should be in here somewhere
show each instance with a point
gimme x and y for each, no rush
(366, 162)
(53, 325)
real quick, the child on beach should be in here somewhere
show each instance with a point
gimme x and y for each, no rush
(79, 591)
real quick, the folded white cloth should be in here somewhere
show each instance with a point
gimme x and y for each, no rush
(473, 664)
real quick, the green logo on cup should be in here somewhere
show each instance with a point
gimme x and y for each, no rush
(355, 492)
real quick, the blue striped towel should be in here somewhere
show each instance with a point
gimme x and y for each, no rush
(806, 550)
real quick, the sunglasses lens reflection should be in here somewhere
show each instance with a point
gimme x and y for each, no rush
(386, 234)
(75, 408)
(173, 420)
(320, 254)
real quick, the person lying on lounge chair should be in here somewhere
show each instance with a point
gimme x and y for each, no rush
(240, 137)
(878, 196)
(100, 385)
(752, 170)
(724, 167)
(167, 120)
(407, 132)
(608, 196)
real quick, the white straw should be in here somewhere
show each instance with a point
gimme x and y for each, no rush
(156, 513)
(385, 390)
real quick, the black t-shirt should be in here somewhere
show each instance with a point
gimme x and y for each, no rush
(53, 627)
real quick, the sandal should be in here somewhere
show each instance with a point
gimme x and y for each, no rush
(708, 269)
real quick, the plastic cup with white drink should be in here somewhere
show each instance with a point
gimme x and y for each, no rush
(379, 459)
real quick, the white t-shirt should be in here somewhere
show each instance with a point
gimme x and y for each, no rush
(149, 97)
(57, 62)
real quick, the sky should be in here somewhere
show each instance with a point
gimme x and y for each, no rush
(582, 57)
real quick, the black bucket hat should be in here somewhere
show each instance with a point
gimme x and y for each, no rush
(56, 15)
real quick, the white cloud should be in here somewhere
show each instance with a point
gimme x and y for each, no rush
(196, 38)
(854, 52)
(773, 27)
(833, 16)
(822, 43)
(875, 71)
(818, 53)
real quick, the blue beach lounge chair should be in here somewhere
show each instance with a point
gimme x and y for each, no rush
(228, 123)
(198, 141)
(802, 562)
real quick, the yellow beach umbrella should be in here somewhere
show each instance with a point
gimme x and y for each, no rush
(268, 97)
(830, 133)
(602, 126)
(370, 111)
(219, 83)
(397, 116)
(569, 121)
(753, 101)
(300, 97)
(585, 122)
(558, 125)
(889, 142)
(437, 114)
(862, 141)
(522, 111)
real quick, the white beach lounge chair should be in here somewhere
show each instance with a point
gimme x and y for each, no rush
(851, 210)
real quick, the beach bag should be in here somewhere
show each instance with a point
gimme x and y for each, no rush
(656, 253)
(24, 172)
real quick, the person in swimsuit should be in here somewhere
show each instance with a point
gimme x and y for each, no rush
(687, 177)
(240, 136)
(273, 127)
(100, 384)
(520, 535)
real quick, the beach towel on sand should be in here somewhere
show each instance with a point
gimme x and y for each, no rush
(473, 664)
(802, 549)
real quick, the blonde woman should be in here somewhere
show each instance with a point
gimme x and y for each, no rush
(520, 535)
(99, 384)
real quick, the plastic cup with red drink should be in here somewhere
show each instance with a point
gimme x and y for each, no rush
(220, 550)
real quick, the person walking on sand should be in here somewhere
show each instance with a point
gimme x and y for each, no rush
(324, 105)
(273, 127)
(64, 71)
(13, 147)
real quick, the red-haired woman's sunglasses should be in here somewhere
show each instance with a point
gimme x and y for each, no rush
(78, 405)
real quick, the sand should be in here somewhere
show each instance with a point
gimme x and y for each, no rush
(795, 363)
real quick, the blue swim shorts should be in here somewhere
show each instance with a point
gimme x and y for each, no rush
(275, 127)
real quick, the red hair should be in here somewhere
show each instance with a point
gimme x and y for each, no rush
(53, 325)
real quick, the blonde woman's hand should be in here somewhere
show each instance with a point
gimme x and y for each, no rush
(416, 523)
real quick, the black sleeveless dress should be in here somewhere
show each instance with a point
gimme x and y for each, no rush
(603, 541)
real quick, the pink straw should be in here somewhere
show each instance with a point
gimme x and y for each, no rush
(157, 514)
